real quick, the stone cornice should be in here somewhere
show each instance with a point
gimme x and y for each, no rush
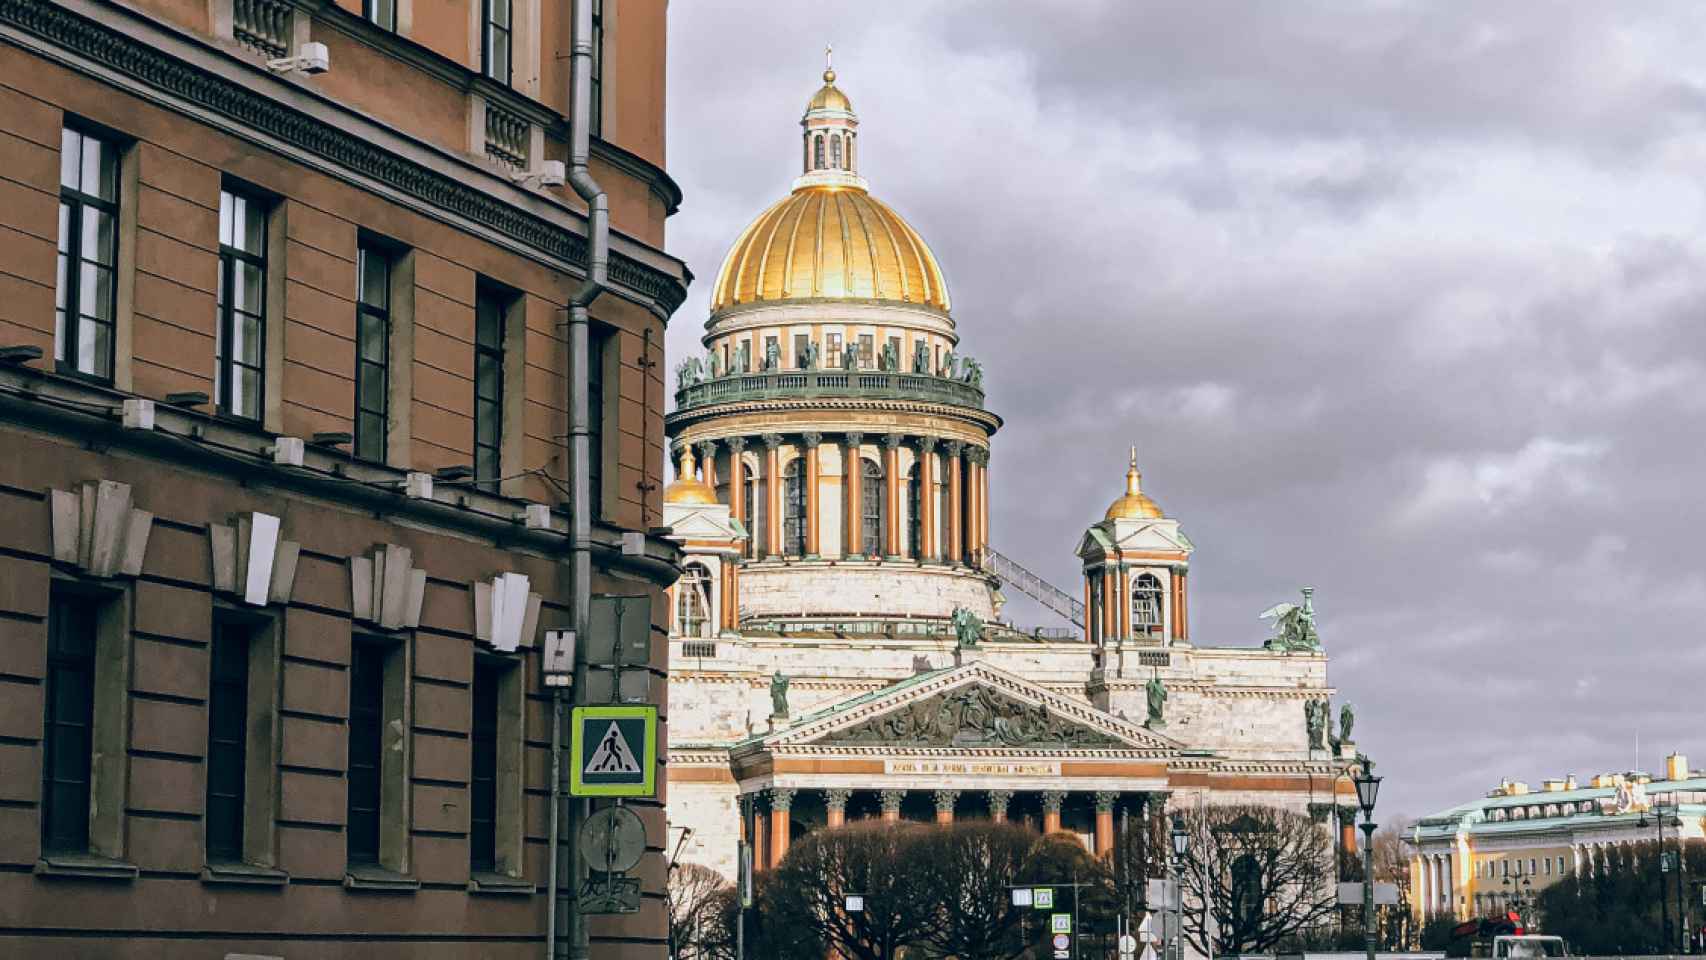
(192, 89)
(676, 421)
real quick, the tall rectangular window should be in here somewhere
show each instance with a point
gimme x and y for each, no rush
(483, 776)
(373, 352)
(240, 337)
(801, 340)
(68, 734)
(867, 351)
(366, 724)
(227, 742)
(86, 291)
(595, 124)
(832, 351)
(597, 341)
(381, 12)
(489, 309)
(498, 42)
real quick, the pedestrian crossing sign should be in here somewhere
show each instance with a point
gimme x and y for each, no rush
(613, 751)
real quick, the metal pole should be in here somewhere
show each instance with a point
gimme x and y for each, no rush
(1368, 883)
(1664, 900)
(556, 807)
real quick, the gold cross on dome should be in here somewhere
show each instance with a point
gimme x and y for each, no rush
(828, 54)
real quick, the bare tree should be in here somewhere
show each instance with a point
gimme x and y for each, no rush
(1254, 876)
(1392, 865)
(968, 868)
(690, 897)
(873, 860)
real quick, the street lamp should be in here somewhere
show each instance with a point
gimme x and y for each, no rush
(1519, 893)
(1181, 847)
(1368, 789)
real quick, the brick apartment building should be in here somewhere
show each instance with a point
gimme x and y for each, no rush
(302, 401)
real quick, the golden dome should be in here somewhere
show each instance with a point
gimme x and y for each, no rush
(1135, 505)
(829, 96)
(688, 488)
(829, 241)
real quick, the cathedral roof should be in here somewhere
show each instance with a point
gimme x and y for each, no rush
(1135, 504)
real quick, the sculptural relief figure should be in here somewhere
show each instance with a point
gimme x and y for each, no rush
(968, 629)
(974, 372)
(743, 357)
(716, 370)
(849, 358)
(950, 365)
(1157, 695)
(778, 695)
(811, 355)
(772, 356)
(1295, 624)
(973, 716)
(921, 357)
(1315, 718)
(688, 373)
(1347, 720)
(890, 359)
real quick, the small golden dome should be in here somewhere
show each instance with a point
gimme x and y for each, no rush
(688, 488)
(829, 96)
(829, 242)
(1135, 505)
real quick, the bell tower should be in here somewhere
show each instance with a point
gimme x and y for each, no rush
(1135, 561)
(830, 149)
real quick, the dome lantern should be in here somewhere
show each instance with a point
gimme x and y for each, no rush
(830, 148)
(1135, 505)
(688, 488)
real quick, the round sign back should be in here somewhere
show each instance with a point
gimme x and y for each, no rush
(613, 840)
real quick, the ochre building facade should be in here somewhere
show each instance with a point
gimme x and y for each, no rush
(285, 408)
(836, 644)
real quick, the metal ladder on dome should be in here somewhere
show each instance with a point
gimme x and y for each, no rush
(1033, 586)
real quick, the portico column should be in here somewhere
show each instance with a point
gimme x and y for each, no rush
(998, 801)
(891, 804)
(772, 495)
(1052, 799)
(760, 850)
(972, 558)
(1110, 622)
(1123, 604)
(896, 546)
(853, 501)
(956, 502)
(982, 502)
(737, 488)
(809, 442)
(835, 800)
(1105, 822)
(927, 547)
(781, 805)
(945, 805)
(1089, 610)
(708, 460)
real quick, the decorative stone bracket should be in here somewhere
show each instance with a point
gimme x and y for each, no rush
(98, 530)
(506, 614)
(385, 588)
(251, 560)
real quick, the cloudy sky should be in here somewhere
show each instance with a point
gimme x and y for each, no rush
(1405, 301)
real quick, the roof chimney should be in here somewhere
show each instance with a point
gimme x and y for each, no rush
(1676, 767)
(1570, 782)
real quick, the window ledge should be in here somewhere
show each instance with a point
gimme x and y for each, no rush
(496, 884)
(379, 880)
(246, 874)
(85, 866)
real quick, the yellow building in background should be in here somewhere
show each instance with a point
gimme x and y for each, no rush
(1500, 851)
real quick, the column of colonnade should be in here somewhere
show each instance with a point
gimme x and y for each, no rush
(767, 814)
(958, 538)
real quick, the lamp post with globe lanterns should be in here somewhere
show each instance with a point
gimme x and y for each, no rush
(1368, 789)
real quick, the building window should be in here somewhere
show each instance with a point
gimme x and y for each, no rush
(693, 600)
(239, 345)
(835, 152)
(832, 351)
(382, 12)
(867, 351)
(498, 42)
(871, 508)
(377, 825)
(817, 152)
(86, 291)
(747, 501)
(1146, 601)
(483, 775)
(373, 352)
(489, 310)
(800, 342)
(794, 507)
(1560, 865)
(598, 341)
(227, 740)
(69, 731)
(595, 124)
(914, 512)
(1532, 867)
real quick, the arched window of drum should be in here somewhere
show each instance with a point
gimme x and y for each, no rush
(942, 506)
(794, 508)
(693, 600)
(850, 139)
(871, 509)
(817, 152)
(835, 152)
(1146, 601)
(746, 506)
(914, 505)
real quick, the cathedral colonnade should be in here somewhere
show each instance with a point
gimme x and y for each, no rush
(912, 496)
(773, 818)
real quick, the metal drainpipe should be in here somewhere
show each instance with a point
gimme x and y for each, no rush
(561, 910)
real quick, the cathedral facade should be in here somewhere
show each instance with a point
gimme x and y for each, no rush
(836, 647)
